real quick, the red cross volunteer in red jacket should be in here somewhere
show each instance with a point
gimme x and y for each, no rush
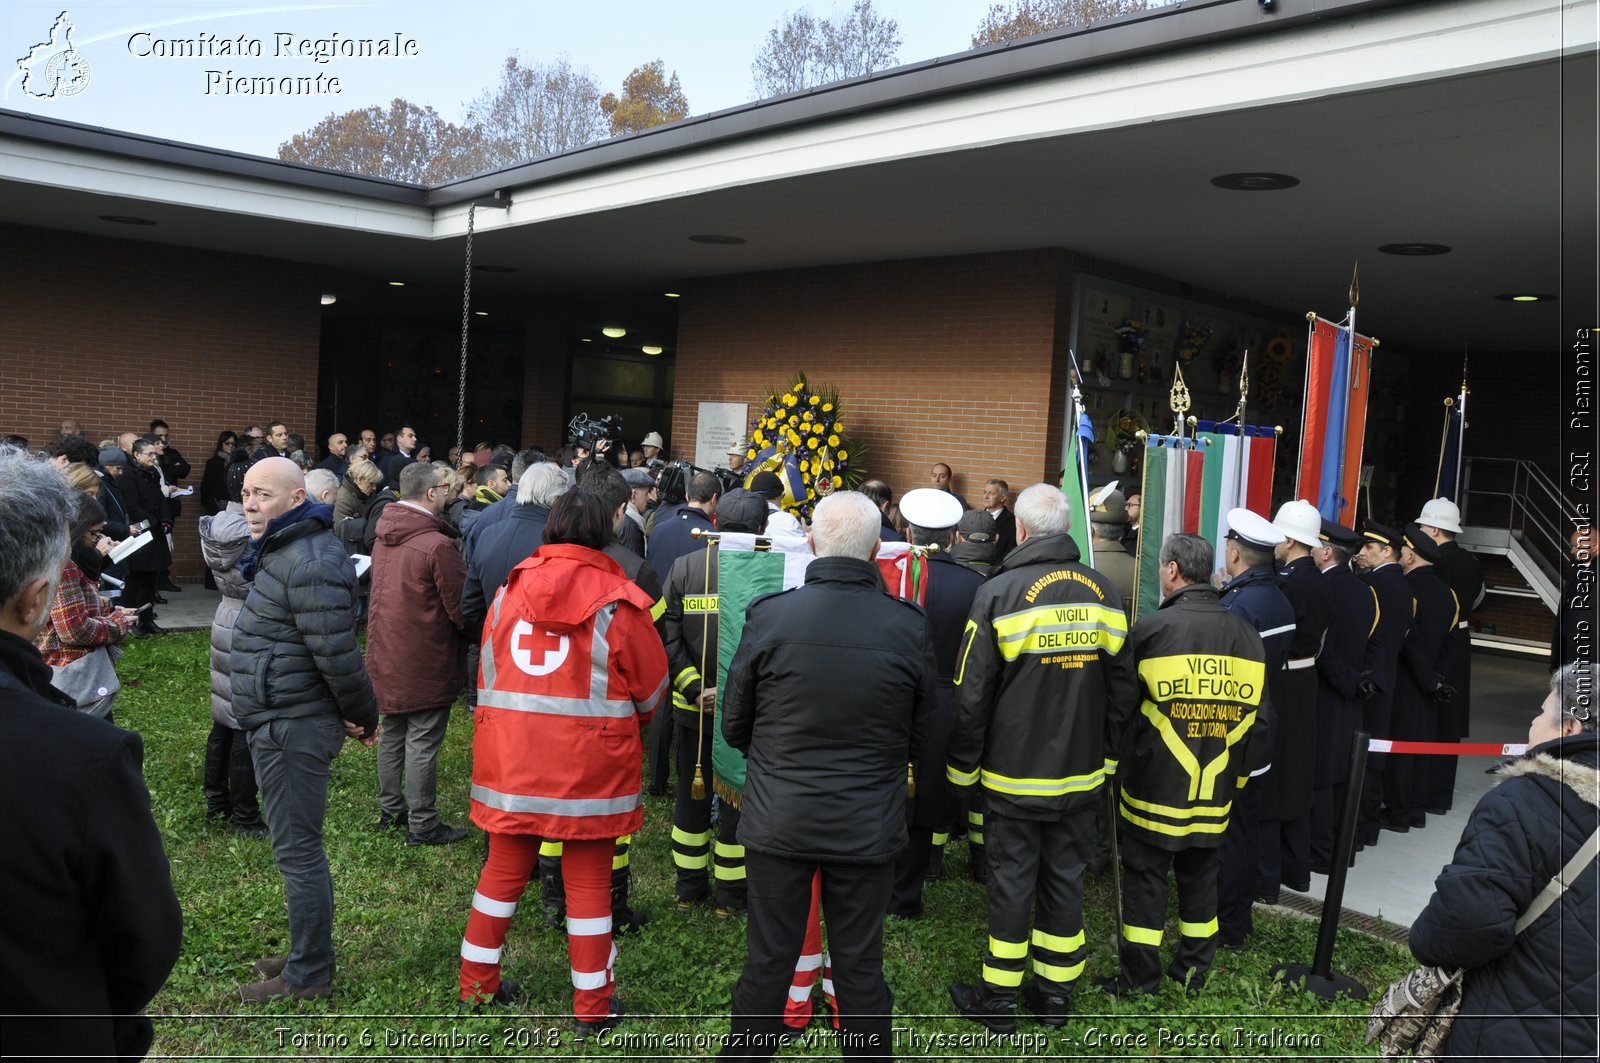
(570, 668)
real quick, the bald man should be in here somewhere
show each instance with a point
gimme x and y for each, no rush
(299, 689)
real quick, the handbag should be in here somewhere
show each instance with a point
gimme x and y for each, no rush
(1414, 1016)
(90, 681)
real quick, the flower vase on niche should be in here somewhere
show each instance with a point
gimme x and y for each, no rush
(1125, 365)
(1119, 461)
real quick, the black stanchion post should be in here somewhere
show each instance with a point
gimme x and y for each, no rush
(1320, 978)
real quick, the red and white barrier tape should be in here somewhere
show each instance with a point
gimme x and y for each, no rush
(1448, 749)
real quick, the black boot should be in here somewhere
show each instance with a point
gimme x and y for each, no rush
(553, 890)
(1049, 1008)
(985, 1006)
(214, 780)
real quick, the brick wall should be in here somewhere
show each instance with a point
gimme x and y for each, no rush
(115, 332)
(936, 360)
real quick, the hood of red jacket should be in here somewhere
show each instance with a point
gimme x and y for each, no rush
(562, 586)
(399, 522)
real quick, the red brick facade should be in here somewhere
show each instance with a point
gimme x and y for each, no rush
(116, 332)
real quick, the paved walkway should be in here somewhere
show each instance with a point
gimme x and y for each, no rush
(1392, 880)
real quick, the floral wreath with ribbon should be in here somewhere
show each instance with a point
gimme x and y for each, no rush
(800, 436)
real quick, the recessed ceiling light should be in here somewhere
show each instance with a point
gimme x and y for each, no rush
(397, 284)
(650, 349)
(1415, 249)
(585, 339)
(1255, 182)
(328, 298)
(716, 238)
(125, 219)
(481, 313)
(1526, 297)
(613, 332)
(495, 269)
(672, 295)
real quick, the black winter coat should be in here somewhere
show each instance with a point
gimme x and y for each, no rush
(294, 651)
(500, 547)
(91, 925)
(1533, 995)
(672, 537)
(141, 494)
(830, 696)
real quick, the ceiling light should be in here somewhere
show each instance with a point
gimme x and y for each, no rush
(672, 295)
(328, 298)
(481, 313)
(613, 332)
(1415, 249)
(397, 284)
(1527, 297)
(716, 238)
(1255, 182)
(650, 349)
(585, 339)
(125, 219)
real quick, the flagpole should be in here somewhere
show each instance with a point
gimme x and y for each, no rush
(1349, 365)
(1244, 440)
(1075, 452)
(1305, 401)
(1461, 443)
(1178, 401)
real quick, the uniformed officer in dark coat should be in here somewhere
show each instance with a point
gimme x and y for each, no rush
(1342, 687)
(1287, 790)
(932, 516)
(1379, 562)
(1428, 657)
(1440, 521)
(1252, 592)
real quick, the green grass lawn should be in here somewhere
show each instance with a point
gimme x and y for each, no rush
(401, 913)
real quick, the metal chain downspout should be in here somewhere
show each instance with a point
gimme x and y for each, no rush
(466, 316)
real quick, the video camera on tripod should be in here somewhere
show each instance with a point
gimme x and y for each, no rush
(591, 432)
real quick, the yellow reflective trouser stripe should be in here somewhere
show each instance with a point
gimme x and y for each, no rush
(1008, 950)
(1173, 829)
(619, 856)
(1043, 787)
(995, 976)
(730, 852)
(1084, 628)
(1057, 974)
(940, 838)
(728, 872)
(685, 677)
(691, 863)
(1057, 943)
(1140, 935)
(549, 848)
(683, 837)
(959, 777)
(1174, 812)
(1198, 930)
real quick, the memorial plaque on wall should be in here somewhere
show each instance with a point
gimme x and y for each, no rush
(720, 425)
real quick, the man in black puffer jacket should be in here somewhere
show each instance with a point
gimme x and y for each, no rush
(1531, 995)
(299, 687)
(830, 695)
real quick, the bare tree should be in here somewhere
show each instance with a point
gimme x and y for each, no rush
(404, 143)
(1024, 18)
(538, 110)
(802, 51)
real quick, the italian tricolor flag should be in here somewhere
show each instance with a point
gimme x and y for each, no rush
(1173, 485)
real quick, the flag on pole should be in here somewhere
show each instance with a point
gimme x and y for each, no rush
(1334, 424)
(1075, 484)
(1238, 472)
(1447, 482)
(904, 571)
(1173, 484)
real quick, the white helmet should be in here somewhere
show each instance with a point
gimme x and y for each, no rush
(1300, 521)
(1441, 513)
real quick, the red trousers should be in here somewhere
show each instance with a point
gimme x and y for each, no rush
(586, 870)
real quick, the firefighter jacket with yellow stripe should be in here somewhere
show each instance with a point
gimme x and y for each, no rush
(1190, 716)
(1031, 683)
(691, 624)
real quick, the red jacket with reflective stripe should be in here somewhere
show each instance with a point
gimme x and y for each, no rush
(571, 666)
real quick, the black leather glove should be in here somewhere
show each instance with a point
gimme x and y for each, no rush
(1444, 693)
(1365, 687)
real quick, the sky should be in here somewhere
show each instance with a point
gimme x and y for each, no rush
(127, 78)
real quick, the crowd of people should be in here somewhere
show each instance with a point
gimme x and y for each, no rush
(1013, 700)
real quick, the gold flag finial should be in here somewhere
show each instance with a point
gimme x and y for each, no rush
(1244, 377)
(1355, 285)
(1178, 398)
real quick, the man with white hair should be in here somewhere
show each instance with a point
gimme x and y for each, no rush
(1030, 726)
(92, 924)
(838, 750)
(322, 486)
(300, 688)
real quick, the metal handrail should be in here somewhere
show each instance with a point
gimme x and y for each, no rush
(1534, 508)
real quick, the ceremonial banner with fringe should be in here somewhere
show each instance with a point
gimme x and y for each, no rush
(1447, 482)
(1238, 472)
(1075, 485)
(1173, 485)
(1334, 424)
(747, 568)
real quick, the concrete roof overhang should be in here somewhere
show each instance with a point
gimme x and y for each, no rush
(1470, 124)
